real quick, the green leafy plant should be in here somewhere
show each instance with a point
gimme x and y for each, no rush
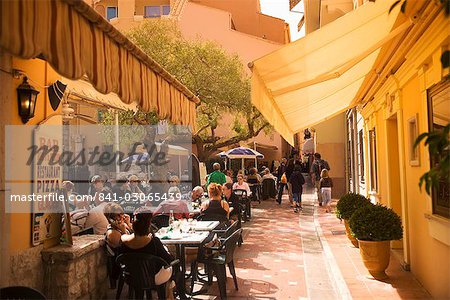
(219, 79)
(349, 203)
(376, 223)
(438, 145)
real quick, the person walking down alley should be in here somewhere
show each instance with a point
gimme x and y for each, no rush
(297, 180)
(281, 183)
(289, 170)
(318, 165)
(325, 186)
(216, 176)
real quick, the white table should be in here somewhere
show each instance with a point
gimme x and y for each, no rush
(187, 239)
(184, 238)
(206, 225)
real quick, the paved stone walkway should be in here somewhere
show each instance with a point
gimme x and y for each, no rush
(306, 255)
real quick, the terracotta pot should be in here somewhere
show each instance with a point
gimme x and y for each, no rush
(375, 255)
(349, 235)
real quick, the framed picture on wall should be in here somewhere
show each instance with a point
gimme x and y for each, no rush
(413, 133)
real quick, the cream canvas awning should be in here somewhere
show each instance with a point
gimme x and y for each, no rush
(78, 42)
(84, 91)
(318, 76)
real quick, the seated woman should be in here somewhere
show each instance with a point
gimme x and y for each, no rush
(119, 224)
(143, 241)
(215, 209)
(242, 185)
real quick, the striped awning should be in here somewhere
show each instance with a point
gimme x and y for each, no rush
(78, 42)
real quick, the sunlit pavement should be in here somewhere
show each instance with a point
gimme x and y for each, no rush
(306, 255)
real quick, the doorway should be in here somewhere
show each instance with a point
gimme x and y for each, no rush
(394, 176)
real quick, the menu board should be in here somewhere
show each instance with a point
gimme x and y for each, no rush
(47, 180)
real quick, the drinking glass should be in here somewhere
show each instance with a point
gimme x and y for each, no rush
(185, 228)
(193, 225)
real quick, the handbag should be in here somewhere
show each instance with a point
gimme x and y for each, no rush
(283, 178)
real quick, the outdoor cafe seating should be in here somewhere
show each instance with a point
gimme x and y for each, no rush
(244, 202)
(138, 271)
(222, 235)
(268, 189)
(215, 259)
(160, 221)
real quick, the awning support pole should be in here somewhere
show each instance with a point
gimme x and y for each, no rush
(116, 140)
(256, 161)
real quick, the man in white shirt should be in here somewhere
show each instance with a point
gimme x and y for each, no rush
(96, 219)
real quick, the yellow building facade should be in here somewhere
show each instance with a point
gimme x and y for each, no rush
(27, 52)
(395, 111)
(394, 88)
(16, 227)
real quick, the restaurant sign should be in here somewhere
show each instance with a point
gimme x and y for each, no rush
(47, 180)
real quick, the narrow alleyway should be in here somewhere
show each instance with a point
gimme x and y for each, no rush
(307, 256)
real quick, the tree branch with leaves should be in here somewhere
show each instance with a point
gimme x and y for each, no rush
(217, 78)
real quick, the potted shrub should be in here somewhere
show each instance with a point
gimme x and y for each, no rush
(375, 226)
(346, 206)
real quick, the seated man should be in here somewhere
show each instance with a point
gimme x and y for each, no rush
(268, 189)
(173, 203)
(121, 188)
(197, 194)
(96, 219)
(75, 201)
(253, 177)
(267, 174)
(232, 199)
(134, 184)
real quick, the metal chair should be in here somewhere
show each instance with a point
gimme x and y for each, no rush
(112, 268)
(212, 217)
(224, 233)
(244, 201)
(138, 270)
(160, 221)
(256, 195)
(224, 257)
(268, 189)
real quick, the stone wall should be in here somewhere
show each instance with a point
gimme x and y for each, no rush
(77, 272)
(27, 269)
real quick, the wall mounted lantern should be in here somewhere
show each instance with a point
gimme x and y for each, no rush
(26, 99)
